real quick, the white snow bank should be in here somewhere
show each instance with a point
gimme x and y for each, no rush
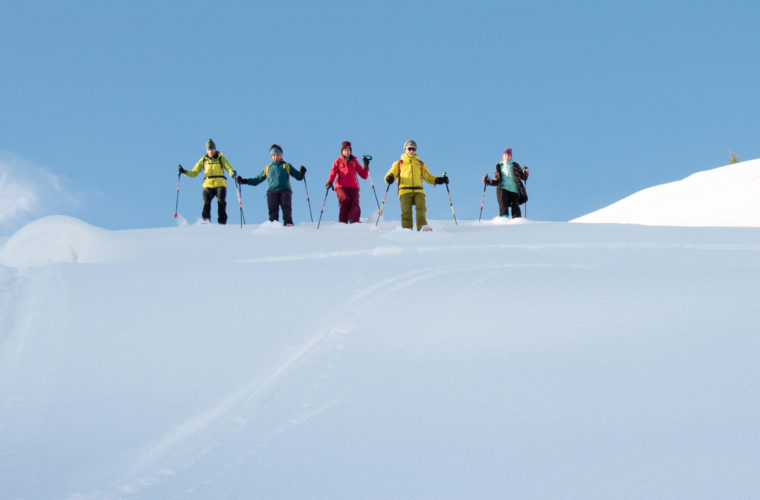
(727, 196)
(53, 239)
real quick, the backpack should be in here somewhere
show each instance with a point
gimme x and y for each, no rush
(205, 162)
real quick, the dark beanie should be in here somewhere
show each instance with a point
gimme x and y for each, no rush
(275, 149)
(210, 144)
(345, 145)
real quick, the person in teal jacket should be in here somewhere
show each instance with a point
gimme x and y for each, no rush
(510, 191)
(279, 194)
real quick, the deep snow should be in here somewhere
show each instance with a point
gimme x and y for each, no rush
(725, 196)
(494, 360)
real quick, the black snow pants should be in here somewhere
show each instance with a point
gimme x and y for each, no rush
(221, 198)
(277, 199)
(508, 199)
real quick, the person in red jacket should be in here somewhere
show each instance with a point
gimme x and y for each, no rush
(343, 179)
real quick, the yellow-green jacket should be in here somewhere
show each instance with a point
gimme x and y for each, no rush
(409, 171)
(213, 168)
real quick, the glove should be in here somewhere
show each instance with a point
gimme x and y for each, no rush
(234, 174)
(526, 172)
(389, 179)
(302, 170)
(365, 160)
(486, 180)
(182, 170)
(329, 185)
(442, 180)
(240, 180)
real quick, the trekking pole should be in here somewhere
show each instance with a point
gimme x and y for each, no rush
(482, 200)
(176, 204)
(380, 212)
(368, 157)
(308, 200)
(526, 201)
(323, 207)
(450, 202)
(240, 201)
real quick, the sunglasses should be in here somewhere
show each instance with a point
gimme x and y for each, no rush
(411, 149)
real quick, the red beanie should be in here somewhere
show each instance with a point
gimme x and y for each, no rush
(346, 145)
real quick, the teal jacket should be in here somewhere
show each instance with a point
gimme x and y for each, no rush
(507, 176)
(278, 175)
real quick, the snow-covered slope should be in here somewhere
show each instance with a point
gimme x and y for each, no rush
(725, 196)
(477, 361)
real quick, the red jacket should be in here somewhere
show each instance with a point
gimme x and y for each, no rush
(346, 171)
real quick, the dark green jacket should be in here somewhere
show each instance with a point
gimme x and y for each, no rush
(278, 175)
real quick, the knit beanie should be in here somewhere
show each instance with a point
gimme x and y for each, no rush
(410, 143)
(210, 144)
(507, 151)
(274, 149)
(345, 145)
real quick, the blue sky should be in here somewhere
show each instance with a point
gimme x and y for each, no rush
(102, 100)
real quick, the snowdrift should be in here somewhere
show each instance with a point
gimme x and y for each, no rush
(526, 360)
(727, 196)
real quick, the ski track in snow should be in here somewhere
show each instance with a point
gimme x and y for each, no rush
(193, 439)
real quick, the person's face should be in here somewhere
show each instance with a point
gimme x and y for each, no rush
(276, 157)
(506, 157)
(211, 152)
(411, 150)
(346, 152)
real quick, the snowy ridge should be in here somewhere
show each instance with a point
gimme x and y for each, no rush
(725, 196)
(529, 360)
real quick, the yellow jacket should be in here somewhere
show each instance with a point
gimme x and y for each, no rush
(213, 168)
(410, 171)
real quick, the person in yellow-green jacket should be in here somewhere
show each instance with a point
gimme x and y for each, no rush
(213, 165)
(410, 171)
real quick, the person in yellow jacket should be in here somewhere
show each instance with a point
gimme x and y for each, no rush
(410, 171)
(213, 165)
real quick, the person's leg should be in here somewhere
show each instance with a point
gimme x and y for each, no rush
(419, 202)
(406, 210)
(208, 195)
(514, 201)
(354, 211)
(273, 203)
(221, 206)
(344, 202)
(287, 211)
(501, 196)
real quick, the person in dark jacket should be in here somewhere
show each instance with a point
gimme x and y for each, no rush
(343, 178)
(508, 178)
(213, 164)
(279, 193)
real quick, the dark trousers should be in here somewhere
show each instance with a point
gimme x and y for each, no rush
(277, 199)
(221, 197)
(348, 198)
(508, 199)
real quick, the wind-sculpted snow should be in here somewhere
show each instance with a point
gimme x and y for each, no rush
(726, 196)
(494, 360)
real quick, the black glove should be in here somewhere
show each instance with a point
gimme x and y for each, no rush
(389, 179)
(442, 180)
(486, 180)
(445, 179)
(302, 170)
(182, 170)
(240, 180)
(526, 172)
(366, 159)
(329, 185)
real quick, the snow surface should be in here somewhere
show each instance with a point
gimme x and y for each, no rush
(495, 360)
(725, 196)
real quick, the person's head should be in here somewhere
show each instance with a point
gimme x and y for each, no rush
(345, 149)
(275, 152)
(507, 154)
(210, 147)
(410, 147)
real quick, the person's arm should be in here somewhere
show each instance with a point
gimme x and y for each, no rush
(255, 181)
(297, 174)
(390, 176)
(226, 165)
(333, 173)
(196, 169)
(360, 169)
(429, 178)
